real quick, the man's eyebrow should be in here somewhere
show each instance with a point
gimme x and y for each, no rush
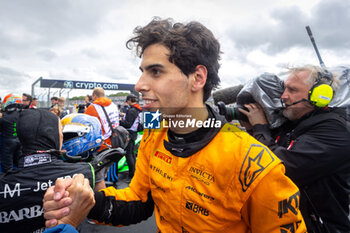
(152, 66)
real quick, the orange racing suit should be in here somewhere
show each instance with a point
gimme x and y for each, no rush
(233, 184)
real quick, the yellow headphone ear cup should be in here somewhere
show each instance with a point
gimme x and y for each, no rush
(321, 95)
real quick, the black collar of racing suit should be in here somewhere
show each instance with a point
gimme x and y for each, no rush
(185, 145)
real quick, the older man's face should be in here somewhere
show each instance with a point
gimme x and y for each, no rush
(296, 89)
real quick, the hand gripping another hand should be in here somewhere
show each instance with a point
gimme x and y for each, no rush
(68, 202)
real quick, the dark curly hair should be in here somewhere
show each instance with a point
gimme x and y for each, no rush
(190, 45)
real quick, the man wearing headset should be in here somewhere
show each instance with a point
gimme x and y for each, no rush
(314, 146)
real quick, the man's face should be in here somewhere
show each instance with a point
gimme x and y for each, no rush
(25, 101)
(94, 97)
(35, 102)
(162, 84)
(296, 89)
(129, 102)
(53, 102)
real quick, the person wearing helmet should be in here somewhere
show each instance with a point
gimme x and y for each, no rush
(40, 134)
(82, 137)
(11, 146)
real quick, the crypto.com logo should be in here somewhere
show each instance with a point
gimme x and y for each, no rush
(68, 84)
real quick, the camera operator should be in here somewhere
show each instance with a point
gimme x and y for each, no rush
(314, 146)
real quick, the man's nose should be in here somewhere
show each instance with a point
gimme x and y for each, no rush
(284, 95)
(141, 84)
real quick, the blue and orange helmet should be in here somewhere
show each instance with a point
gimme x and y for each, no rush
(82, 134)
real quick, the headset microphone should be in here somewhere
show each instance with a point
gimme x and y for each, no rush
(280, 110)
(299, 101)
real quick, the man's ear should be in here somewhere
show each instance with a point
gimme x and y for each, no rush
(199, 78)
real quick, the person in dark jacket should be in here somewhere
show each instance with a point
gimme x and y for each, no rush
(314, 146)
(130, 122)
(124, 109)
(22, 190)
(11, 146)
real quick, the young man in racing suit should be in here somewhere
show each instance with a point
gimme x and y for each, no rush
(214, 178)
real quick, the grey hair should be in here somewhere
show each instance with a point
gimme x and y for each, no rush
(314, 76)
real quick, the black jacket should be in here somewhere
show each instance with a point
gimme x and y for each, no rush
(22, 191)
(315, 151)
(8, 124)
(130, 118)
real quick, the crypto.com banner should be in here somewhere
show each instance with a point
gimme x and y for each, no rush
(70, 84)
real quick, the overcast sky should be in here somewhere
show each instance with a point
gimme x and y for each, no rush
(85, 39)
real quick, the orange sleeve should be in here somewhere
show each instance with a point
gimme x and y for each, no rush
(274, 205)
(129, 205)
(91, 111)
(140, 184)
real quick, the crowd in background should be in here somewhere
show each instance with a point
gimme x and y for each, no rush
(10, 148)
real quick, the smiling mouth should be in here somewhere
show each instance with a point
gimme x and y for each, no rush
(149, 101)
